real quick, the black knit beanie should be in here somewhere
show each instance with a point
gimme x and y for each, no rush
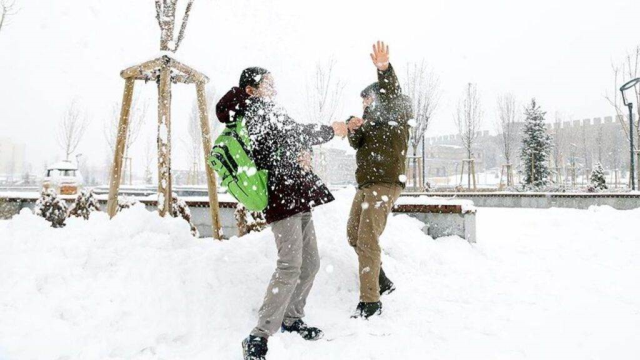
(252, 77)
(371, 90)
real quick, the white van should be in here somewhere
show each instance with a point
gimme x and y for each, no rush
(64, 177)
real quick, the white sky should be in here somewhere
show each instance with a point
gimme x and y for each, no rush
(55, 51)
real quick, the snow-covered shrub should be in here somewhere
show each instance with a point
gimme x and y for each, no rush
(51, 208)
(249, 221)
(180, 209)
(598, 181)
(126, 202)
(84, 205)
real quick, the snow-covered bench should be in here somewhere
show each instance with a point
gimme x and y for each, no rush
(442, 217)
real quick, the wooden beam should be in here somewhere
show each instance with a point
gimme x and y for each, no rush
(140, 70)
(186, 70)
(164, 141)
(206, 147)
(123, 130)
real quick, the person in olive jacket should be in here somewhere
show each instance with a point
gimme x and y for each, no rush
(282, 146)
(381, 139)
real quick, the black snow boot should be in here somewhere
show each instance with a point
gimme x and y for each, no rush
(366, 310)
(254, 348)
(307, 332)
(386, 286)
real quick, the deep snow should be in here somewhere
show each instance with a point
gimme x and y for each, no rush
(540, 284)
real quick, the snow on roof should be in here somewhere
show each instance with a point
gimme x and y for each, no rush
(63, 165)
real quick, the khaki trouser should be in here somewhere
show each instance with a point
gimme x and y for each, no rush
(369, 211)
(298, 263)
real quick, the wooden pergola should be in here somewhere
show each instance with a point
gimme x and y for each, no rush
(165, 71)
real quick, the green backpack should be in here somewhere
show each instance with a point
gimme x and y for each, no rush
(231, 159)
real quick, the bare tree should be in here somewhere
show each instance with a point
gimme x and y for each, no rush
(324, 99)
(166, 16)
(468, 119)
(423, 89)
(71, 129)
(559, 143)
(506, 125)
(193, 143)
(624, 71)
(137, 117)
(150, 157)
(324, 93)
(7, 10)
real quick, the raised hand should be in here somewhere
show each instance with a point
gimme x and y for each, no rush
(380, 56)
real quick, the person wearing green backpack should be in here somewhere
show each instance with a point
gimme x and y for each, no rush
(281, 147)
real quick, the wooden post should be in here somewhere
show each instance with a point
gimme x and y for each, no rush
(123, 130)
(164, 141)
(206, 147)
(473, 170)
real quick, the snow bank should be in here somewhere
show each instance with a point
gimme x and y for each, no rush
(542, 284)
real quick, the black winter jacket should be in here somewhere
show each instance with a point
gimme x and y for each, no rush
(277, 141)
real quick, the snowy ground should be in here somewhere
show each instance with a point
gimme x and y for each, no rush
(540, 284)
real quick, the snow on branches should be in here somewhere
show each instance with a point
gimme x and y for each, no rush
(51, 208)
(598, 181)
(179, 208)
(249, 221)
(536, 148)
(84, 205)
(126, 202)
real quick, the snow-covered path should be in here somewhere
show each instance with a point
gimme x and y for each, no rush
(540, 284)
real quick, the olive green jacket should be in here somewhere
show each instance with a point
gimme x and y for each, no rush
(382, 141)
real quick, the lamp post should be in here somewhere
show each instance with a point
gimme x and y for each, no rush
(625, 87)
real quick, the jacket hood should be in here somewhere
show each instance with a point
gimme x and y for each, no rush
(232, 104)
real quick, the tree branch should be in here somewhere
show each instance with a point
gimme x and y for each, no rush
(159, 12)
(183, 27)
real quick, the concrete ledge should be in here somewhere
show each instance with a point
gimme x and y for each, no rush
(440, 219)
(619, 201)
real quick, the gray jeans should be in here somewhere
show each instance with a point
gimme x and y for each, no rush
(298, 263)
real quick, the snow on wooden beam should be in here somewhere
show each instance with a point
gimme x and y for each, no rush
(150, 70)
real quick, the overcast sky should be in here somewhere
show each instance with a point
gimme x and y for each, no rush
(559, 51)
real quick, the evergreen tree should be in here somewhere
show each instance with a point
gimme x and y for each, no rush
(598, 182)
(536, 148)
